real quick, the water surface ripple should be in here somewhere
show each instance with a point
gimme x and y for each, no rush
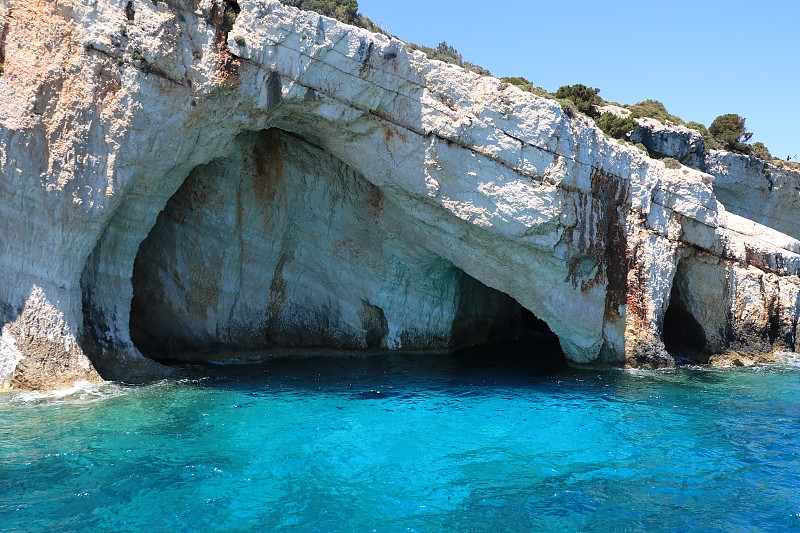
(408, 443)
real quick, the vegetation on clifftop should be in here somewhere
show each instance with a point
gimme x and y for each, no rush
(347, 11)
(654, 109)
(448, 54)
(614, 126)
(525, 85)
(342, 10)
(726, 131)
(582, 96)
(729, 130)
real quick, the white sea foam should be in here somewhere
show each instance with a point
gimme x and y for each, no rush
(787, 358)
(80, 391)
(640, 372)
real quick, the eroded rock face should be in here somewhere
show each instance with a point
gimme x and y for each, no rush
(281, 245)
(757, 190)
(367, 198)
(684, 144)
(752, 188)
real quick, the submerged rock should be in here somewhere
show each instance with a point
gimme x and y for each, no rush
(176, 185)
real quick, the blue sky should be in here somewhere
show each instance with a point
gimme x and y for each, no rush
(700, 58)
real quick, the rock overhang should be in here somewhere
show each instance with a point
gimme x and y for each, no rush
(585, 232)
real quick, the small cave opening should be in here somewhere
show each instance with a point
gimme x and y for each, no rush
(774, 327)
(526, 345)
(279, 250)
(683, 335)
(493, 331)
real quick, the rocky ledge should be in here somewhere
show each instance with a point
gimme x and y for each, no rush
(205, 179)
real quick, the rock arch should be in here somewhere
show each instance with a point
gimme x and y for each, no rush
(500, 184)
(280, 245)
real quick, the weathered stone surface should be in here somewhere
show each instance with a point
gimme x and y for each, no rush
(684, 144)
(281, 245)
(757, 190)
(326, 186)
(747, 186)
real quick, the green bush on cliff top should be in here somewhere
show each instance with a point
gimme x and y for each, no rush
(448, 54)
(760, 150)
(582, 96)
(654, 109)
(614, 126)
(526, 85)
(729, 130)
(342, 10)
(709, 142)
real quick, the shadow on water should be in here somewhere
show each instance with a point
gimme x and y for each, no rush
(509, 363)
(534, 363)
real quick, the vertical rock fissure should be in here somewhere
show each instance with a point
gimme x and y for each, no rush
(240, 234)
(3, 34)
(222, 17)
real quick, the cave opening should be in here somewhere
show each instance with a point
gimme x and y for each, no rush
(683, 335)
(527, 345)
(280, 249)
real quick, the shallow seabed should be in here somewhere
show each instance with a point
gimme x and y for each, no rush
(407, 443)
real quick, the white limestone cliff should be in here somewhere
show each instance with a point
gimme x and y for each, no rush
(757, 190)
(323, 186)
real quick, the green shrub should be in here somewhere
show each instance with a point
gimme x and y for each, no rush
(519, 82)
(642, 147)
(538, 91)
(347, 11)
(477, 69)
(671, 162)
(580, 95)
(448, 54)
(525, 85)
(761, 151)
(730, 131)
(568, 106)
(791, 165)
(653, 109)
(709, 142)
(239, 40)
(615, 126)
(696, 126)
(342, 10)
(445, 52)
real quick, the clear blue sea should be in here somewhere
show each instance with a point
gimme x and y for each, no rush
(408, 443)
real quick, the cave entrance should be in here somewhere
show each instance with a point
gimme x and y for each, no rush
(281, 249)
(683, 335)
(492, 330)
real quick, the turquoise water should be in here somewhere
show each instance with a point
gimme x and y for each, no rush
(412, 443)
